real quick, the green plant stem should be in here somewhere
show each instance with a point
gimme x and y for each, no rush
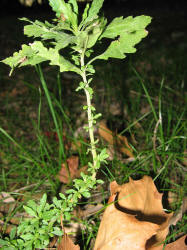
(89, 114)
(90, 122)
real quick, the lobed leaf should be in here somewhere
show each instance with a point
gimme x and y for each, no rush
(64, 10)
(59, 7)
(84, 15)
(62, 39)
(95, 31)
(119, 26)
(42, 30)
(94, 10)
(128, 38)
(37, 53)
(25, 56)
(75, 6)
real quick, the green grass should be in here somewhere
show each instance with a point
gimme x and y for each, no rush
(148, 87)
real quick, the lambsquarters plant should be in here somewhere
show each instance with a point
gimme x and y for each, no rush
(80, 35)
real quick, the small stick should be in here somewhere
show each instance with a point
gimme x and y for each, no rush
(154, 139)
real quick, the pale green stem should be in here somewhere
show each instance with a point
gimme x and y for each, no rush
(90, 117)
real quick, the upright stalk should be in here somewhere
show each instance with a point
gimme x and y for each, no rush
(89, 114)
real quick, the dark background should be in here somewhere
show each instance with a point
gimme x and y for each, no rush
(13, 6)
(169, 17)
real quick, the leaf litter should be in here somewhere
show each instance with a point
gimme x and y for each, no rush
(134, 218)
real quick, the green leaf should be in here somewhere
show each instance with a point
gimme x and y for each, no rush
(59, 7)
(70, 191)
(25, 56)
(30, 211)
(125, 44)
(57, 231)
(37, 53)
(84, 15)
(48, 215)
(58, 203)
(129, 32)
(100, 181)
(97, 116)
(64, 42)
(42, 204)
(75, 6)
(86, 194)
(62, 196)
(4, 242)
(32, 204)
(22, 226)
(67, 216)
(54, 57)
(119, 26)
(103, 156)
(27, 236)
(25, 19)
(65, 9)
(94, 31)
(81, 86)
(94, 10)
(39, 29)
(13, 233)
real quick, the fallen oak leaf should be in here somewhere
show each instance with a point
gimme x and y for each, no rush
(67, 244)
(72, 164)
(120, 141)
(178, 214)
(105, 133)
(124, 146)
(122, 231)
(180, 244)
(134, 219)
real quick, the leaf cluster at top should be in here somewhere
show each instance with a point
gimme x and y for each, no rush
(66, 30)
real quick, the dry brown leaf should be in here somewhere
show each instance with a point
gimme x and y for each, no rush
(124, 146)
(18, 90)
(76, 146)
(72, 163)
(120, 141)
(7, 202)
(180, 244)
(6, 229)
(67, 244)
(177, 216)
(134, 219)
(105, 133)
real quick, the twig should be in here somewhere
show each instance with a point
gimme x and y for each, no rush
(154, 139)
(24, 188)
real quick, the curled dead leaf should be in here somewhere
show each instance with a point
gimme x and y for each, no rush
(134, 218)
